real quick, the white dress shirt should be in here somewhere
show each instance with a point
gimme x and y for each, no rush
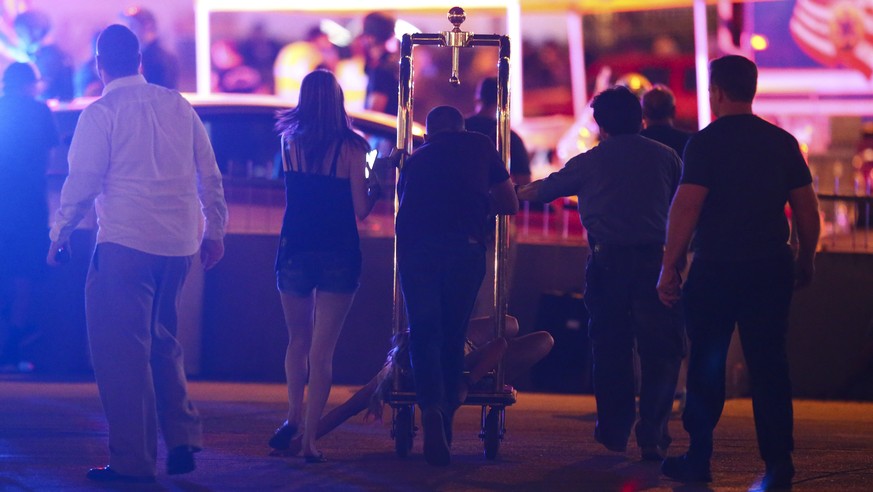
(141, 154)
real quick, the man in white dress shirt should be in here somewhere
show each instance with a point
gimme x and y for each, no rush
(141, 154)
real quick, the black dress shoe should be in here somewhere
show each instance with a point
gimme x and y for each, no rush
(613, 445)
(683, 469)
(652, 453)
(314, 458)
(181, 460)
(106, 474)
(282, 436)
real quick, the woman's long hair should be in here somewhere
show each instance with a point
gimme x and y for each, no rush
(319, 119)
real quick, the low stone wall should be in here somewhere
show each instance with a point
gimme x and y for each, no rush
(233, 326)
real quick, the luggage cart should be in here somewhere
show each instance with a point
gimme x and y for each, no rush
(493, 420)
(490, 393)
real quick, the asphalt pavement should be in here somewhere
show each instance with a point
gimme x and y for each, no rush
(51, 432)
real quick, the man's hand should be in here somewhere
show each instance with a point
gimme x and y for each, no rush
(394, 157)
(669, 286)
(211, 251)
(383, 168)
(58, 253)
(804, 270)
(529, 192)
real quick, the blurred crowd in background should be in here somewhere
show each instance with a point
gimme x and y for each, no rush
(254, 54)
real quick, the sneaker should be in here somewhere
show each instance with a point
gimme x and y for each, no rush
(19, 367)
(683, 469)
(778, 476)
(106, 474)
(181, 460)
(436, 448)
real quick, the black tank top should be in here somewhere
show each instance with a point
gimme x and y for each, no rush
(319, 213)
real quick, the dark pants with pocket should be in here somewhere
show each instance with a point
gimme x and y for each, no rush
(439, 283)
(131, 305)
(755, 297)
(625, 312)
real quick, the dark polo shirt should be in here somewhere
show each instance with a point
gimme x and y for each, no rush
(444, 189)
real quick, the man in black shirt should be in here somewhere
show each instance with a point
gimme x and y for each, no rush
(27, 136)
(739, 173)
(32, 29)
(159, 66)
(659, 109)
(485, 122)
(624, 186)
(447, 189)
(383, 83)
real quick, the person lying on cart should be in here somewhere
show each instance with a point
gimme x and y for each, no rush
(482, 354)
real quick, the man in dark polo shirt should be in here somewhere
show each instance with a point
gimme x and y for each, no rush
(624, 186)
(739, 173)
(447, 189)
(485, 122)
(383, 83)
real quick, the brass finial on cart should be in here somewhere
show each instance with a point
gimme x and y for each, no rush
(456, 39)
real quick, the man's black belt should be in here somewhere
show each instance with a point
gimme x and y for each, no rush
(642, 248)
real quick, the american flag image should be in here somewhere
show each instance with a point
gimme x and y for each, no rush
(835, 33)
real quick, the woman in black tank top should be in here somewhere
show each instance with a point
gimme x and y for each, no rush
(319, 259)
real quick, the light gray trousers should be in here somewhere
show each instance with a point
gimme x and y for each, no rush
(131, 303)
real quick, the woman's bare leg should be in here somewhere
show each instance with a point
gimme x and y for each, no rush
(298, 320)
(525, 351)
(357, 403)
(484, 359)
(330, 314)
(481, 330)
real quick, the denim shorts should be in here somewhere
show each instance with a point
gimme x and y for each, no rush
(335, 271)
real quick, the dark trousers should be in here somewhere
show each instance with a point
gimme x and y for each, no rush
(624, 310)
(439, 283)
(754, 296)
(131, 305)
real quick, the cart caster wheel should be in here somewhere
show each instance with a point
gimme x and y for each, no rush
(404, 430)
(491, 433)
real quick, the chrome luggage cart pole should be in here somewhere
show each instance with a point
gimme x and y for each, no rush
(403, 429)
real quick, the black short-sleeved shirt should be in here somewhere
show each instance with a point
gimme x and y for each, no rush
(27, 134)
(383, 79)
(748, 166)
(159, 66)
(519, 161)
(56, 72)
(625, 185)
(667, 135)
(444, 189)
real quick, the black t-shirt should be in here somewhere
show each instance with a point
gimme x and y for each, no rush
(383, 79)
(160, 66)
(519, 161)
(749, 166)
(444, 189)
(27, 134)
(667, 135)
(56, 72)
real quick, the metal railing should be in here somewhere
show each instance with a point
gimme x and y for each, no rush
(257, 207)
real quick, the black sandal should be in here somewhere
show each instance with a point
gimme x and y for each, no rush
(282, 437)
